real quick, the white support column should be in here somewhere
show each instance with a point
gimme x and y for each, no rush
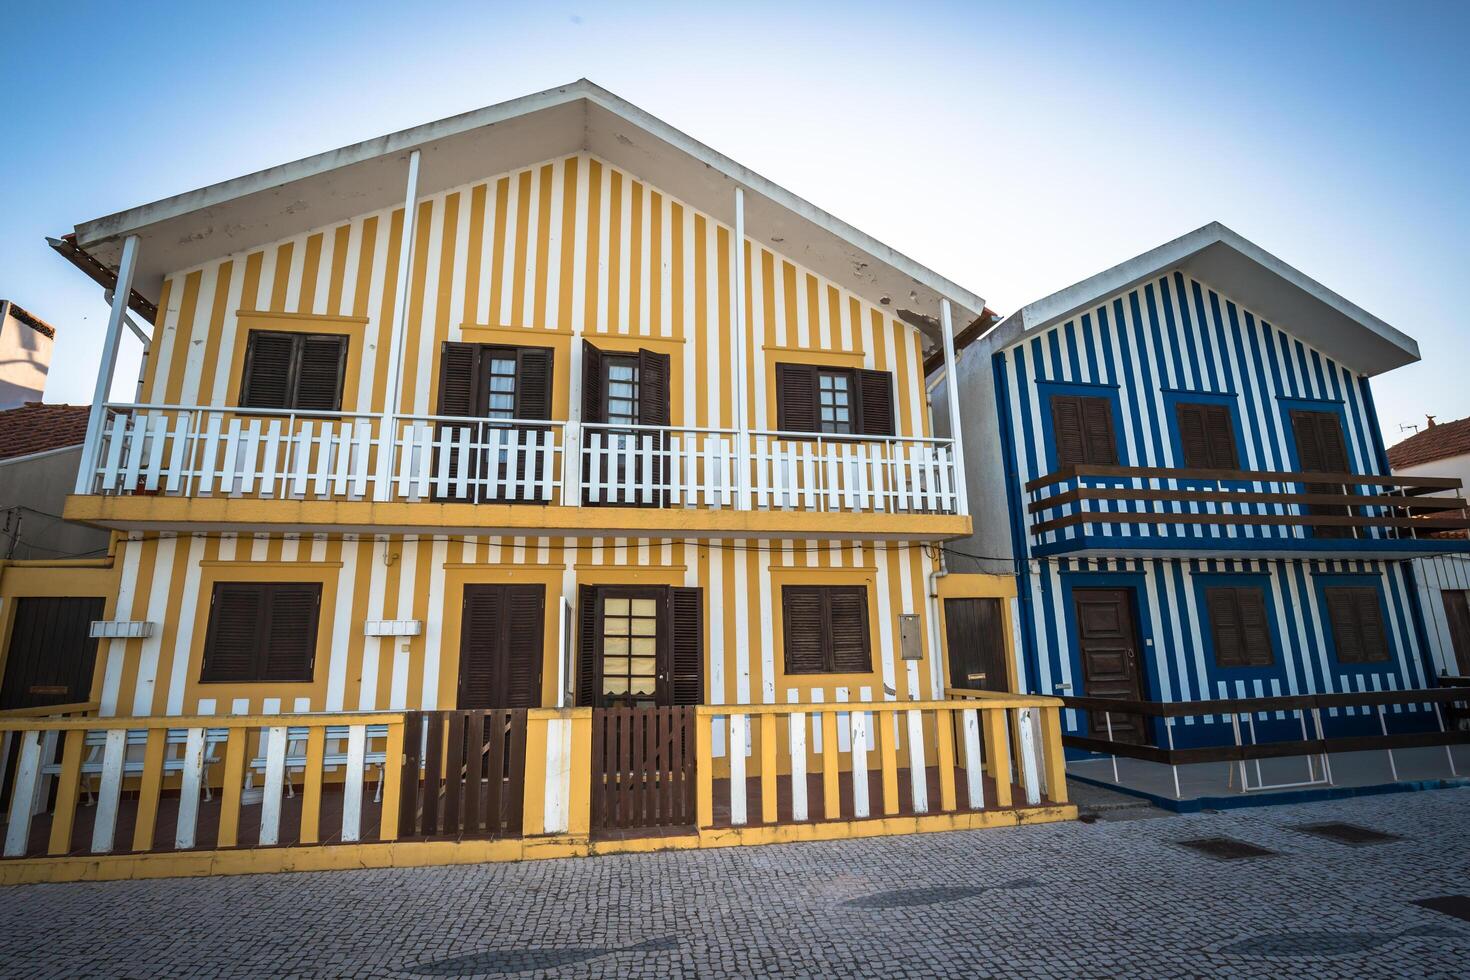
(952, 388)
(96, 417)
(387, 434)
(742, 379)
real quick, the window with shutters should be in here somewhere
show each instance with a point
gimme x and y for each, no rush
(640, 646)
(261, 631)
(1356, 615)
(1206, 436)
(825, 629)
(500, 646)
(834, 401)
(1082, 430)
(494, 381)
(1239, 626)
(290, 370)
(620, 382)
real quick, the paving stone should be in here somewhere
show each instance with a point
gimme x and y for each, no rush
(1061, 900)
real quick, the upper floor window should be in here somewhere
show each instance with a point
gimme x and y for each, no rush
(621, 388)
(301, 371)
(1206, 436)
(493, 381)
(261, 631)
(838, 401)
(1082, 426)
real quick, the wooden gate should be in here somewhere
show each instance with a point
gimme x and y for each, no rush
(464, 774)
(642, 768)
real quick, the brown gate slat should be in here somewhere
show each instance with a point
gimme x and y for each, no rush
(515, 773)
(433, 772)
(474, 777)
(454, 774)
(642, 768)
(493, 753)
(408, 800)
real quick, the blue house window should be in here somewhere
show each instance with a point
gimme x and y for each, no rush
(1357, 624)
(1206, 436)
(1240, 627)
(1082, 430)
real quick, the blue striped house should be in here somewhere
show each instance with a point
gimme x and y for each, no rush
(1143, 481)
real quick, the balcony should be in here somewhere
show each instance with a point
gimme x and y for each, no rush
(1143, 511)
(346, 468)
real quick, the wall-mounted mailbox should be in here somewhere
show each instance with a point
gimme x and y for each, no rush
(910, 638)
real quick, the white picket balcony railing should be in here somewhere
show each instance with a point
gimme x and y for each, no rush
(201, 451)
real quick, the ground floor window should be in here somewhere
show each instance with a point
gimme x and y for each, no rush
(261, 631)
(1239, 626)
(1357, 624)
(826, 629)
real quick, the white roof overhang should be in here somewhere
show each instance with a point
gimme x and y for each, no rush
(1249, 275)
(188, 229)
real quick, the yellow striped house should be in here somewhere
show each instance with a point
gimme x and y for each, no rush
(546, 412)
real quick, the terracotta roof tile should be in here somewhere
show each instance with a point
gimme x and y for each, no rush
(36, 427)
(1439, 441)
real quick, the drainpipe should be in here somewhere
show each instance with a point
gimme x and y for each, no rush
(107, 365)
(393, 391)
(743, 382)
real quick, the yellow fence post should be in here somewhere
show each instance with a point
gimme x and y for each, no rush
(229, 808)
(533, 796)
(311, 788)
(66, 792)
(704, 772)
(888, 759)
(149, 788)
(768, 768)
(998, 753)
(831, 794)
(1053, 755)
(579, 775)
(392, 780)
(944, 757)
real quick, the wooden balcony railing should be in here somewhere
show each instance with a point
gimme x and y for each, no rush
(1134, 505)
(174, 450)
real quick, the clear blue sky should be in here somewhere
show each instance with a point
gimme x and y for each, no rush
(1013, 148)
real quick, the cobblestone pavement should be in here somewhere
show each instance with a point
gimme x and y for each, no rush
(1108, 898)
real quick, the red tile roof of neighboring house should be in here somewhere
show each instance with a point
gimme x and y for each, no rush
(36, 427)
(1440, 440)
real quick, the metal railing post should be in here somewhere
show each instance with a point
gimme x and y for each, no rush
(1108, 718)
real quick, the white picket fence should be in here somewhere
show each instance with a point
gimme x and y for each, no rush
(200, 451)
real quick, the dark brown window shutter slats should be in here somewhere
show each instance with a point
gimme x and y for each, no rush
(686, 646)
(457, 377)
(875, 397)
(1206, 437)
(801, 612)
(825, 629)
(1066, 424)
(236, 615)
(847, 624)
(525, 619)
(1097, 429)
(1238, 623)
(1082, 428)
(593, 409)
(319, 373)
(481, 631)
(653, 388)
(290, 649)
(796, 398)
(533, 383)
(268, 362)
(588, 651)
(1357, 624)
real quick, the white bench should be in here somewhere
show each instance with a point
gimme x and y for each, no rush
(296, 753)
(137, 739)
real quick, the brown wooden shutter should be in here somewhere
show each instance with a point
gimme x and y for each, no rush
(1357, 625)
(1340, 611)
(1066, 424)
(796, 398)
(801, 615)
(268, 362)
(533, 382)
(1457, 616)
(525, 624)
(686, 646)
(875, 400)
(589, 645)
(321, 362)
(1220, 438)
(1194, 444)
(1097, 431)
(847, 627)
(458, 376)
(1225, 627)
(1254, 627)
(289, 653)
(237, 612)
(653, 388)
(1370, 625)
(594, 407)
(481, 646)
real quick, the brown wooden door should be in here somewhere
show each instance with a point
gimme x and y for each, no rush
(975, 633)
(501, 646)
(1108, 644)
(1320, 448)
(51, 653)
(1457, 613)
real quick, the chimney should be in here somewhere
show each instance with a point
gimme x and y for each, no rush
(1431, 421)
